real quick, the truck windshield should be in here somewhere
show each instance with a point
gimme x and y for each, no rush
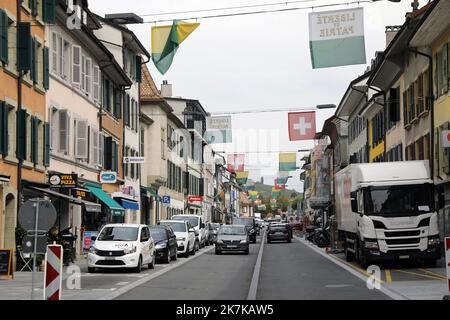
(399, 200)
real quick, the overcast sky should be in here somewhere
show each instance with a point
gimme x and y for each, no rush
(257, 62)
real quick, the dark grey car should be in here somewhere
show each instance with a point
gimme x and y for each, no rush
(232, 238)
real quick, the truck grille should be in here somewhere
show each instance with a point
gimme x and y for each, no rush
(403, 241)
(393, 234)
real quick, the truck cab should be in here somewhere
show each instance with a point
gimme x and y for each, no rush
(387, 211)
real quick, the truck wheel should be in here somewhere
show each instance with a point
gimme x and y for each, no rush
(362, 259)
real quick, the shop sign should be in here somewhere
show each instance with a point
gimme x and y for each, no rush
(108, 177)
(133, 160)
(192, 199)
(63, 180)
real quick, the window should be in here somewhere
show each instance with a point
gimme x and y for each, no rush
(81, 139)
(107, 95)
(117, 103)
(96, 83)
(419, 149)
(142, 143)
(441, 76)
(63, 131)
(394, 106)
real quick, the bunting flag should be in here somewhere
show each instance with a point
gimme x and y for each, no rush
(337, 38)
(250, 188)
(275, 193)
(242, 177)
(281, 181)
(165, 42)
(302, 126)
(288, 161)
(253, 195)
(279, 186)
(236, 162)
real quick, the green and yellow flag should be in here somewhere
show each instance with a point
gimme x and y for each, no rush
(165, 42)
(242, 177)
(288, 161)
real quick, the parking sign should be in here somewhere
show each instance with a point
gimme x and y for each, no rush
(166, 200)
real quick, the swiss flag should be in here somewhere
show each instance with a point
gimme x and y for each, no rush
(236, 162)
(279, 186)
(302, 126)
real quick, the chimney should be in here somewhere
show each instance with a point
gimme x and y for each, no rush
(166, 89)
(391, 31)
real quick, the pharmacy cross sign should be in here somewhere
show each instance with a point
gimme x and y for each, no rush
(302, 126)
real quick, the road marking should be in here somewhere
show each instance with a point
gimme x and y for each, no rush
(338, 286)
(388, 276)
(151, 276)
(420, 275)
(255, 279)
(360, 270)
(349, 268)
(122, 283)
(434, 273)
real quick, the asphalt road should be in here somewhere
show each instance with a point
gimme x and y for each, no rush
(288, 271)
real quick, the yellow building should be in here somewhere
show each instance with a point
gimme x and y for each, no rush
(433, 40)
(24, 153)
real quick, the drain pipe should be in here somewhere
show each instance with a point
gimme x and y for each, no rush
(19, 107)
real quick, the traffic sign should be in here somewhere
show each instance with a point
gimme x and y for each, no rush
(166, 200)
(53, 270)
(32, 219)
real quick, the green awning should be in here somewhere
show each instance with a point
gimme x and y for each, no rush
(116, 209)
(153, 193)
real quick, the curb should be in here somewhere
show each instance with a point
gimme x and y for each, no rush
(389, 292)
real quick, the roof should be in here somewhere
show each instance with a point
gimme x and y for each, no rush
(149, 91)
(353, 95)
(434, 21)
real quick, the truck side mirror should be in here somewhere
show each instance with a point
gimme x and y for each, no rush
(441, 201)
(354, 201)
(94, 238)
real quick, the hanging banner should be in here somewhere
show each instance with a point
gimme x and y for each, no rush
(288, 161)
(165, 42)
(219, 130)
(302, 126)
(337, 38)
(236, 162)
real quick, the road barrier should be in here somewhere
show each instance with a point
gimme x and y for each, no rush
(53, 272)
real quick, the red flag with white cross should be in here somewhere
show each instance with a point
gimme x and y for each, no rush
(236, 162)
(302, 126)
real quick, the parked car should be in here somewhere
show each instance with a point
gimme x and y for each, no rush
(122, 246)
(232, 238)
(249, 224)
(279, 232)
(213, 231)
(186, 240)
(165, 243)
(198, 225)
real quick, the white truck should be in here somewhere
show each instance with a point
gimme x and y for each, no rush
(387, 211)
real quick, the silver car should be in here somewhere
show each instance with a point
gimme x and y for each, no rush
(232, 238)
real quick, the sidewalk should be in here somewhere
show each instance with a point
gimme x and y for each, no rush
(408, 284)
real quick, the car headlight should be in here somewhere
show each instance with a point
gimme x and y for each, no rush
(243, 241)
(219, 241)
(129, 251)
(371, 245)
(181, 239)
(93, 250)
(434, 242)
(161, 245)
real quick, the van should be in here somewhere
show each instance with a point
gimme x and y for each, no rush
(197, 223)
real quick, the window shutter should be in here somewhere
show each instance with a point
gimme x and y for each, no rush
(83, 73)
(101, 150)
(76, 65)
(138, 69)
(47, 133)
(88, 76)
(49, 10)
(3, 128)
(108, 153)
(33, 7)
(3, 36)
(24, 46)
(125, 165)
(54, 53)
(33, 70)
(445, 68)
(106, 95)
(46, 69)
(126, 112)
(96, 83)
(63, 131)
(21, 134)
(81, 148)
(35, 140)
(118, 104)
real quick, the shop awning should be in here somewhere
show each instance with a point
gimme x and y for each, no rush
(129, 204)
(4, 179)
(89, 206)
(116, 209)
(152, 192)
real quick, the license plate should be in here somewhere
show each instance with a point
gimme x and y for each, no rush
(279, 233)
(403, 257)
(232, 247)
(110, 258)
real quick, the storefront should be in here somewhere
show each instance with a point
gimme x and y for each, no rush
(150, 206)
(111, 212)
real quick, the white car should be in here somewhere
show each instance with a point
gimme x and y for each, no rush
(122, 246)
(185, 239)
(198, 225)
